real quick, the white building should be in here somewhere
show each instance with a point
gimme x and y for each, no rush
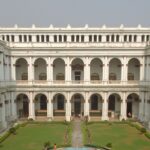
(57, 73)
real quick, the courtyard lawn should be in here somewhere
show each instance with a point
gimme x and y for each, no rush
(122, 136)
(33, 136)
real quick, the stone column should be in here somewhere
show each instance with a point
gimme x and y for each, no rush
(86, 70)
(31, 107)
(13, 69)
(142, 67)
(124, 70)
(68, 108)
(13, 106)
(50, 107)
(146, 107)
(30, 69)
(67, 70)
(105, 107)
(141, 106)
(86, 105)
(123, 114)
(105, 70)
(4, 123)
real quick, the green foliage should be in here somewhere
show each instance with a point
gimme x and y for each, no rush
(109, 145)
(12, 130)
(2, 138)
(143, 130)
(147, 134)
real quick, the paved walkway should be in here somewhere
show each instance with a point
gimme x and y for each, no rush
(77, 140)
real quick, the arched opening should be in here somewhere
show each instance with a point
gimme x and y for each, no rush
(133, 106)
(22, 103)
(115, 69)
(114, 106)
(59, 106)
(77, 105)
(21, 69)
(40, 69)
(59, 70)
(40, 105)
(95, 106)
(77, 70)
(134, 69)
(96, 69)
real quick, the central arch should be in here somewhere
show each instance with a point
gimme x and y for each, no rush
(77, 105)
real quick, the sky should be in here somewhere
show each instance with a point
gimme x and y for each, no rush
(77, 13)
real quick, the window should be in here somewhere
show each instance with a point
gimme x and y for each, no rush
(24, 76)
(37, 38)
(125, 38)
(60, 76)
(117, 38)
(94, 102)
(60, 102)
(55, 38)
(112, 76)
(7, 37)
(90, 38)
(147, 38)
(77, 38)
(95, 38)
(112, 38)
(143, 38)
(130, 76)
(20, 38)
(3, 37)
(77, 75)
(42, 76)
(65, 38)
(42, 38)
(60, 38)
(135, 38)
(99, 38)
(30, 38)
(72, 38)
(25, 38)
(107, 38)
(47, 38)
(130, 38)
(95, 76)
(82, 38)
(12, 38)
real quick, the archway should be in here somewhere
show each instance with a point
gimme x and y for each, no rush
(77, 105)
(21, 69)
(22, 103)
(77, 70)
(114, 106)
(133, 105)
(40, 105)
(40, 69)
(95, 106)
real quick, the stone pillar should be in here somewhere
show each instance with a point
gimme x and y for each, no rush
(142, 69)
(31, 106)
(13, 106)
(124, 70)
(30, 70)
(50, 107)
(141, 107)
(67, 70)
(123, 114)
(4, 123)
(146, 107)
(68, 108)
(86, 70)
(105, 107)
(105, 70)
(13, 69)
(86, 105)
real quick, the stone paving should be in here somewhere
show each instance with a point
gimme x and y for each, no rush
(77, 139)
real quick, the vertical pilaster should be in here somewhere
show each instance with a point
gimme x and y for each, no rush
(105, 69)
(30, 69)
(105, 107)
(86, 105)
(86, 70)
(68, 107)
(123, 114)
(142, 67)
(4, 123)
(50, 107)
(31, 107)
(141, 106)
(13, 69)
(13, 106)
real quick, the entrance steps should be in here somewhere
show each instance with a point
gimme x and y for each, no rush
(41, 118)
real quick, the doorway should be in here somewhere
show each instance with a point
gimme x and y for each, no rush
(77, 108)
(129, 109)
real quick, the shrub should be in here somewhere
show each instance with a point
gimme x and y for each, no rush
(2, 138)
(143, 130)
(47, 145)
(109, 145)
(147, 135)
(12, 130)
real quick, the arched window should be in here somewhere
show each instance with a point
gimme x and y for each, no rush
(60, 76)
(95, 76)
(112, 76)
(130, 76)
(60, 102)
(24, 76)
(94, 102)
(42, 76)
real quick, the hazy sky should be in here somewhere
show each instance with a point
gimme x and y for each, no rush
(75, 12)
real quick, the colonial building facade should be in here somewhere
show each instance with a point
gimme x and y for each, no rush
(58, 73)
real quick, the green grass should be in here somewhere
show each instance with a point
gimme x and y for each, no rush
(33, 136)
(122, 136)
